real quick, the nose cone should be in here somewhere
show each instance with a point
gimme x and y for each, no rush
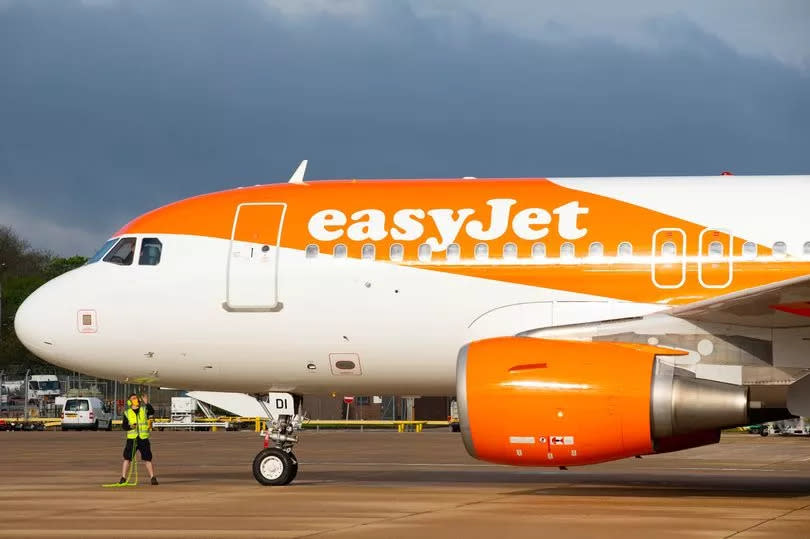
(32, 325)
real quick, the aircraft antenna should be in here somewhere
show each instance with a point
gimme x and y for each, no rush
(298, 175)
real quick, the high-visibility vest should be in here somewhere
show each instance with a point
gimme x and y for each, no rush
(140, 420)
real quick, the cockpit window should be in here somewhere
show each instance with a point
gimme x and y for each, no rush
(123, 252)
(150, 252)
(101, 252)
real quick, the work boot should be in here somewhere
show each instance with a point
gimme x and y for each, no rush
(154, 481)
(122, 480)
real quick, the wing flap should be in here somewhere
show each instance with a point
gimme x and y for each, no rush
(778, 305)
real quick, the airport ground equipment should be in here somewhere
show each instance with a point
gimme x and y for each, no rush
(35, 423)
(788, 427)
(762, 430)
(452, 417)
(182, 416)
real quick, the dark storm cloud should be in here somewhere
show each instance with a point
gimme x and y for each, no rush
(108, 111)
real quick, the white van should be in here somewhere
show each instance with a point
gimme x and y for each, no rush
(85, 413)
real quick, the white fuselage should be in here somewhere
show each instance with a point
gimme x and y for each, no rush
(400, 325)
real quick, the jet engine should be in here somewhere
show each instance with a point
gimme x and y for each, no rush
(538, 402)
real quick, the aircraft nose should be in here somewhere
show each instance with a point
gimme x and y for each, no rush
(32, 324)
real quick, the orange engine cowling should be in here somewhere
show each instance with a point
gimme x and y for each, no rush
(537, 402)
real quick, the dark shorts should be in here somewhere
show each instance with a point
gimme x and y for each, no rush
(144, 447)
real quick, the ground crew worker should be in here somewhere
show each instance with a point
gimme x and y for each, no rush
(135, 422)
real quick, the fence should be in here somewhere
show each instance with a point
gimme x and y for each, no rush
(114, 393)
(15, 401)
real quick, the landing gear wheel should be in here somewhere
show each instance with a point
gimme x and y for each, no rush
(293, 467)
(274, 467)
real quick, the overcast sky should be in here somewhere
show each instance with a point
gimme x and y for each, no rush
(109, 108)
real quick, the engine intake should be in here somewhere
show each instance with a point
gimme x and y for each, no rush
(540, 402)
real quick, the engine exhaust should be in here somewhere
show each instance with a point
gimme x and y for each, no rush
(682, 404)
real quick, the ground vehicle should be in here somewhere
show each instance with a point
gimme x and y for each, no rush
(11, 393)
(86, 413)
(452, 418)
(762, 430)
(43, 387)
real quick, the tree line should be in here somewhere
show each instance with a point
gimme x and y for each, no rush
(23, 269)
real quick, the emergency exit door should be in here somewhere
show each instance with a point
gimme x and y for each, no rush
(668, 261)
(716, 258)
(252, 273)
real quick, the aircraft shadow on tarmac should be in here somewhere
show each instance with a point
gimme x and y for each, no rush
(562, 483)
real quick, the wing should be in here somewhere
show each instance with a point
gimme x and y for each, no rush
(778, 305)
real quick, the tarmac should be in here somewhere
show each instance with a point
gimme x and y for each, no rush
(384, 484)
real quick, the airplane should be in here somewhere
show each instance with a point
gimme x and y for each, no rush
(576, 320)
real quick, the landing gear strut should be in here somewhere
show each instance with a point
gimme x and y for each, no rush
(276, 464)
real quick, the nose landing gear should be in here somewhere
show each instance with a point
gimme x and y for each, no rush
(277, 465)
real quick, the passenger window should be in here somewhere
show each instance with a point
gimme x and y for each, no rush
(715, 249)
(669, 250)
(625, 249)
(749, 249)
(340, 251)
(368, 252)
(312, 250)
(481, 251)
(567, 250)
(806, 248)
(396, 252)
(539, 250)
(510, 251)
(123, 252)
(425, 253)
(596, 250)
(151, 248)
(780, 249)
(453, 252)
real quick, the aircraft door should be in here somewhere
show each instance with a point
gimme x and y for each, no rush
(668, 260)
(715, 261)
(253, 257)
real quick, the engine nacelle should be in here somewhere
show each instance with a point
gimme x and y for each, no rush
(536, 402)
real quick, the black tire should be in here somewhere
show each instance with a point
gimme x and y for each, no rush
(274, 467)
(95, 425)
(109, 425)
(763, 432)
(293, 467)
(455, 427)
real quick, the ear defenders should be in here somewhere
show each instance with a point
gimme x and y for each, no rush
(132, 401)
